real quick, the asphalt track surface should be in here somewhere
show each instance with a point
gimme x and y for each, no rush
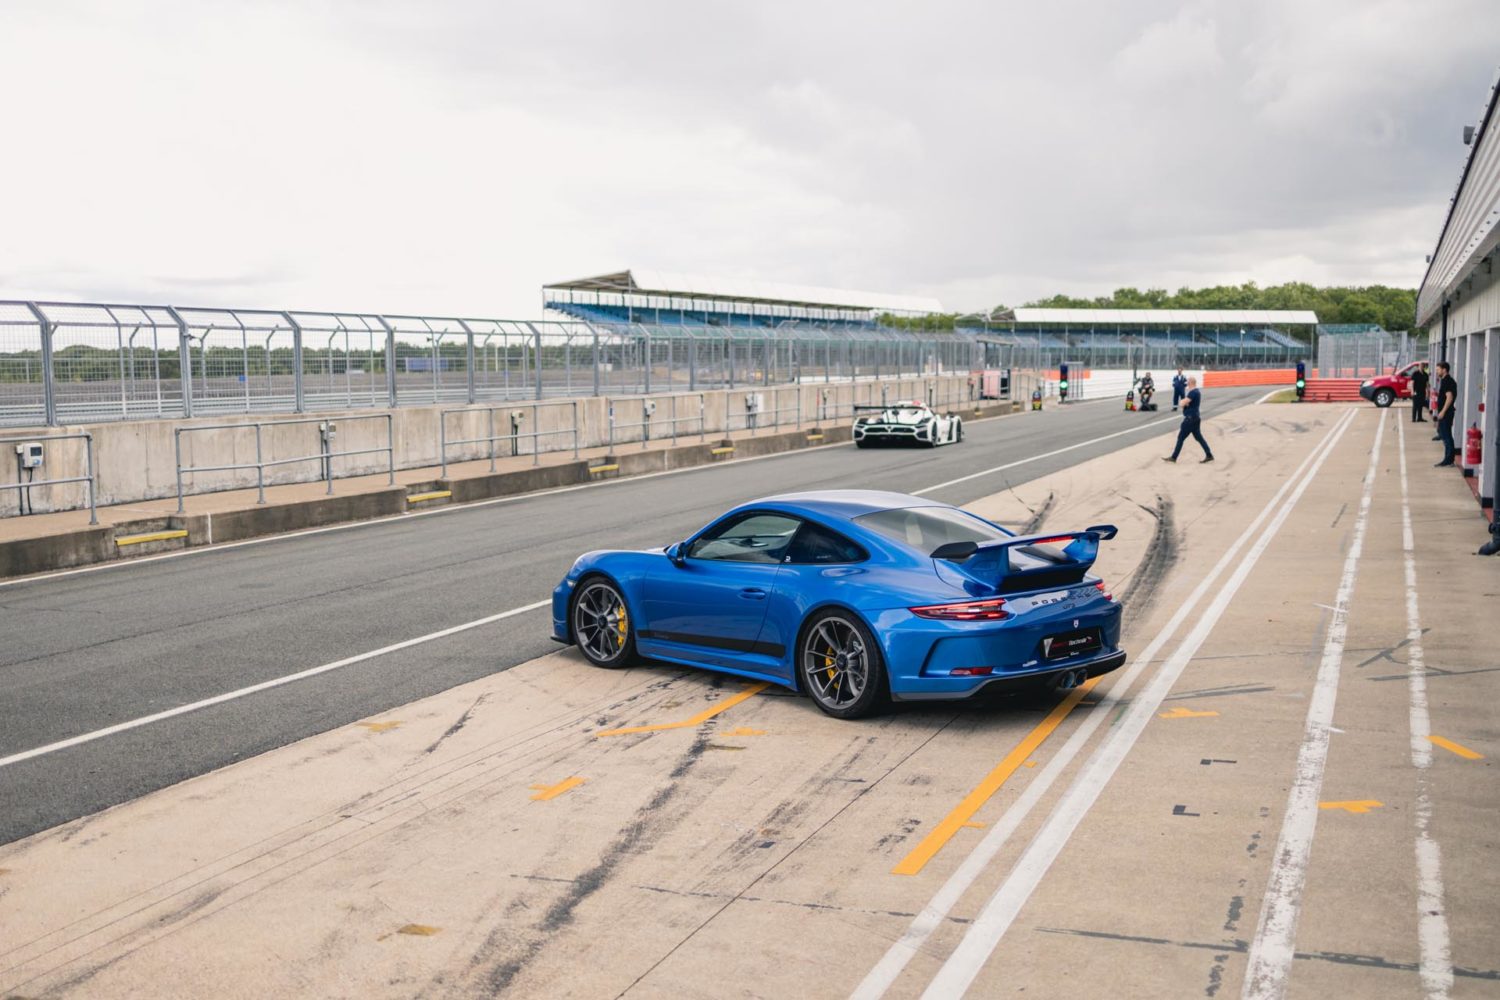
(86, 651)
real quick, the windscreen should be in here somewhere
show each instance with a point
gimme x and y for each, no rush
(926, 528)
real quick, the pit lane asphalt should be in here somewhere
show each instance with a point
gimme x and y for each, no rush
(84, 652)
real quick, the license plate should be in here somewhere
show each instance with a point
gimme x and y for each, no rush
(1066, 644)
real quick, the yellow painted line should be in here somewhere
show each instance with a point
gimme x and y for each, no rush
(418, 930)
(697, 720)
(378, 727)
(963, 813)
(745, 731)
(544, 792)
(1457, 748)
(153, 536)
(434, 495)
(1353, 806)
(1184, 713)
(815, 437)
(604, 468)
(722, 451)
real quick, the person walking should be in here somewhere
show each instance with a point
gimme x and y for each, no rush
(1419, 393)
(1191, 423)
(1447, 399)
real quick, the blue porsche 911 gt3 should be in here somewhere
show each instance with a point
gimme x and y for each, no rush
(854, 597)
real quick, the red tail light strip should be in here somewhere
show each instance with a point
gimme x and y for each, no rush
(990, 610)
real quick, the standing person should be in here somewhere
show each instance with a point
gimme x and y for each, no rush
(1191, 424)
(1419, 393)
(1179, 387)
(1447, 398)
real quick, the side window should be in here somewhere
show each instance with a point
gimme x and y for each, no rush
(756, 538)
(818, 545)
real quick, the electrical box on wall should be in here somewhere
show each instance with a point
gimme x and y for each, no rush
(29, 454)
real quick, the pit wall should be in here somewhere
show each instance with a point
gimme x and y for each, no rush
(137, 460)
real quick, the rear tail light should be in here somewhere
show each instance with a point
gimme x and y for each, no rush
(968, 611)
(1105, 591)
(971, 671)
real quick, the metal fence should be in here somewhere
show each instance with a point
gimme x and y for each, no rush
(74, 362)
(1368, 353)
(1023, 352)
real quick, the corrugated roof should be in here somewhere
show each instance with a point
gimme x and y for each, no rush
(650, 281)
(1471, 229)
(1162, 317)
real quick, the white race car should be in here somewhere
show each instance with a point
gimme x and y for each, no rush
(909, 421)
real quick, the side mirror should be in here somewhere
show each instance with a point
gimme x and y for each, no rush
(677, 553)
(955, 551)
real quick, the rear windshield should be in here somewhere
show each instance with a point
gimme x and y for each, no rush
(925, 528)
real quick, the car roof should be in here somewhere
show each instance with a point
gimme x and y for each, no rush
(847, 504)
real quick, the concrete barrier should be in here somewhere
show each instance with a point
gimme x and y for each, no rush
(137, 460)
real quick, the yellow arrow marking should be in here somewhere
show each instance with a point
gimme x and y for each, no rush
(418, 930)
(1457, 748)
(1354, 806)
(1184, 713)
(544, 792)
(378, 727)
(697, 720)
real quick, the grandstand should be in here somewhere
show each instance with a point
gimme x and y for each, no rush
(1156, 336)
(670, 298)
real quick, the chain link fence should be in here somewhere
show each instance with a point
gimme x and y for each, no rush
(1366, 353)
(75, 362)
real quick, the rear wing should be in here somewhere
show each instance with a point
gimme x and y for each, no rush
(993, 563)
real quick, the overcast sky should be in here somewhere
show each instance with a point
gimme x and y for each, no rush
(454, 156)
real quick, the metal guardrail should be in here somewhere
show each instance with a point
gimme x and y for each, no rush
(23, 489)
(516, 416)
(327, 430)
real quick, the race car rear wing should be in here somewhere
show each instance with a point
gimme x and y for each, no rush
(1028, 562)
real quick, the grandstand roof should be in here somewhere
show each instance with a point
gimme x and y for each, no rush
(644, 281)
(1160, 317)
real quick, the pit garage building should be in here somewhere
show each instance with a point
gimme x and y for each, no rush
(1459, 301)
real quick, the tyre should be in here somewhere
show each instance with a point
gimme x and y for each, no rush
(1384, 398)
(958, 431)
(861, 443)
(602, 628)
(840, 667)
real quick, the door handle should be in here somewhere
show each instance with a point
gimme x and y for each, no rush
(753, 594)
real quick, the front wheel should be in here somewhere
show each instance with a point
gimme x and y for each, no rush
(958, 432)
(1384, 398)
(601, 624)
(840, 667)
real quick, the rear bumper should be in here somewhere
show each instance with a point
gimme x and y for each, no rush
(1013, 682)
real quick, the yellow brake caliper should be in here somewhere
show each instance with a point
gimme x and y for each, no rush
(622, 624)
(828, 662)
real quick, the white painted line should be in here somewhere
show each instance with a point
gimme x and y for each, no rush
(1271, 393)
(219, 699)
(1435, 957)
(1268, 974)
(1037, 458)
(885, 972)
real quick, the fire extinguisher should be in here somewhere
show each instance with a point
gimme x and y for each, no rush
(1472, 440)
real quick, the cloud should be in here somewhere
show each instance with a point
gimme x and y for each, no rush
(452, 157)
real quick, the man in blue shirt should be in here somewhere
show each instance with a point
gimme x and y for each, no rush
(1191, 424)
(1179, 387)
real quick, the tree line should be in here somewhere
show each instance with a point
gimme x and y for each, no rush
(1391, 308)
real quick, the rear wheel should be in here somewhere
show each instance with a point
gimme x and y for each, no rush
(1384, 398)
(601, 624)
(840, 667)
